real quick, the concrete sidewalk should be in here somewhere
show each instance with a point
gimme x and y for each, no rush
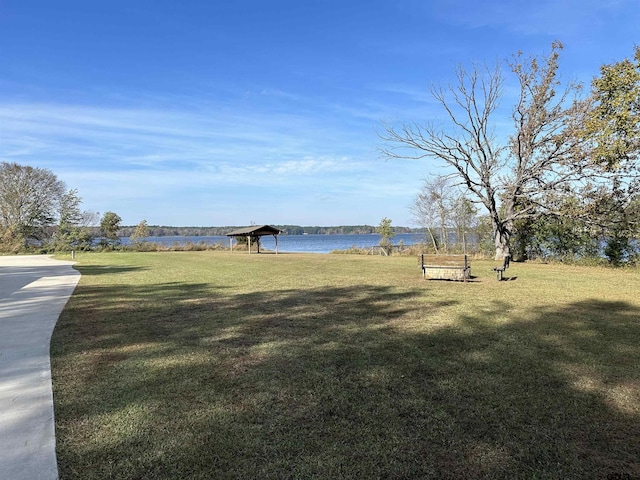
(33, 291)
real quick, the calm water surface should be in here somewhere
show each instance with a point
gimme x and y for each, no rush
(300, 243)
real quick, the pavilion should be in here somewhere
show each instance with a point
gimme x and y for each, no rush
(254, 233)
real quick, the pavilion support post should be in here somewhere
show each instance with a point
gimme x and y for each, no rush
(276, 237)
(249, 242)
(231, 244)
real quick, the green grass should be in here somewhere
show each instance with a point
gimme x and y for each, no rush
(234, 366)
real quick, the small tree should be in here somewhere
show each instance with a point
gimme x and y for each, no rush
(424, 213)
(442, 204)
(109, 226)
(386, 234)
(72, 232)
(439, 192)
(139, 234)
(463, 214)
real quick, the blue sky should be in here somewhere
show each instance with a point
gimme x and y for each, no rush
(209, 112)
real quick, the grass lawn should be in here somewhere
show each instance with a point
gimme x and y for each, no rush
(214, 365)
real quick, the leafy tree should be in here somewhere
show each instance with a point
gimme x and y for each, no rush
(508, 176)
(613, 130)
(613, 124)
(563, 236)
(613, 216)
(10, 242)
(484, 235)
(73, 225)
(464, 217)
(69, 209)
(386, 234)
(29, 199)
(109, 226)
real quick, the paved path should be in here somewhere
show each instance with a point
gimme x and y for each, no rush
(33, 291)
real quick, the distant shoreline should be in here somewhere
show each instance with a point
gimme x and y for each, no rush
(168, 231)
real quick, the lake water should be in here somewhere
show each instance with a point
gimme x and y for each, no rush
(300, 243)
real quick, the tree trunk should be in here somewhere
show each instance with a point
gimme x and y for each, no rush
(464, 241)
(444, 241)
(501, 239)
(433, 240)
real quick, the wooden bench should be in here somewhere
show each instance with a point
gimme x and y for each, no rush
(445, 267)
(500, 270)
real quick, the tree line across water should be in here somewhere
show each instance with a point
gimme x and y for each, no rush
(168, 231)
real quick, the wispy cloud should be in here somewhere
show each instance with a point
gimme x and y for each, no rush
(144, 137)
(117, 157)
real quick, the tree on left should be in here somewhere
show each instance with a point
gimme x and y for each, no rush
(37, 211)
(29, 199)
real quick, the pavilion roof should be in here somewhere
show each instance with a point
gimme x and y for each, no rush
(255, 231)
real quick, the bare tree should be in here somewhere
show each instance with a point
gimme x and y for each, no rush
(425, 214)
(432, 206)
(511, 176)
(442, 205)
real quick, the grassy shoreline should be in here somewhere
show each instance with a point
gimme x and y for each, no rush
(218, 365)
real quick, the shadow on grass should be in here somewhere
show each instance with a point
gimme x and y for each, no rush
(107, 269)
(187, 381)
